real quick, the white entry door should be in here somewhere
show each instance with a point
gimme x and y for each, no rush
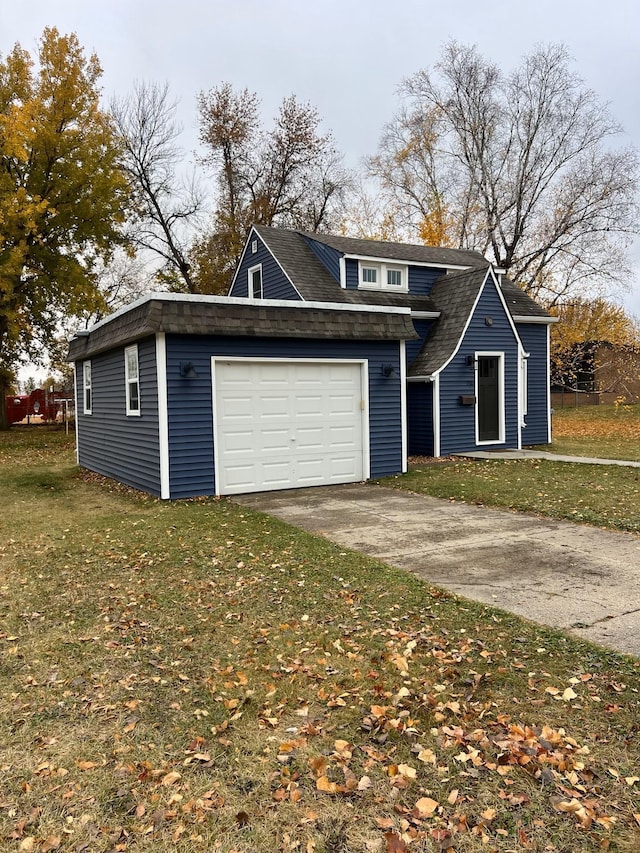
(288, 424)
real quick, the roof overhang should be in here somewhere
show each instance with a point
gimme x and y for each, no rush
(544, 321)
(187, 314)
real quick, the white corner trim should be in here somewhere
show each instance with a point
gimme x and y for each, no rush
(436, 415)
(77, 418)
(403, 405)
(343, 272)
(163, 414)
(549, 425)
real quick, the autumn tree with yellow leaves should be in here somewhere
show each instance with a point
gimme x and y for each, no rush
(63, 196)
(594, 333)
(528, 167)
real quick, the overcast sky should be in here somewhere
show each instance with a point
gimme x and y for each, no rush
(346, 57)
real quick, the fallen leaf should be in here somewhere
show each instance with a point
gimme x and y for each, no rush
(171, 777)
(86, 765)
(569, 694)
(407, 771)
(395, 844)
(425, 807)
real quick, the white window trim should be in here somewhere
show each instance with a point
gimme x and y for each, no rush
(129, 381)
(501, 409)
(382, 267)
(87, 386)
(250, 272)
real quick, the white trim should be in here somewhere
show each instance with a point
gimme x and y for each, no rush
(364, 407)
(343, 272)
(206, 299)
(501, 395)
(77, 418)
(85, 410)
(404, 425)
(545, 321)
(128, 381)
(424, 315)
(163, 415)
(380, 259)
(548, 366)
(382, 268)
(436, 415)
(250, 272)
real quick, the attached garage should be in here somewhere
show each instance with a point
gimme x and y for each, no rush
(288, 424)
(236, 396)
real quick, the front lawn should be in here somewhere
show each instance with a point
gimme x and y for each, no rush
(196, 676)
(604, 495)
(607, 432)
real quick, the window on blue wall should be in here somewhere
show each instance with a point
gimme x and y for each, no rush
(86, 385)
(132, 380)
(383, 276)
(255, 282)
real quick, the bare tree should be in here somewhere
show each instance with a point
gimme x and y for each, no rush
(166, 205)
(523, 167)
(290, 175)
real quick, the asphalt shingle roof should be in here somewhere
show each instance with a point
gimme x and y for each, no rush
(222, 317)
(399, 251)
(454, 296)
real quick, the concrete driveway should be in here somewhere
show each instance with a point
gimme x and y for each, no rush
(571, 576)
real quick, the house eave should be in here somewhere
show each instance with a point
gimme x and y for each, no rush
(543, 321)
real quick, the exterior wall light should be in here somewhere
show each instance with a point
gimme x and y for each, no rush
(188, 370)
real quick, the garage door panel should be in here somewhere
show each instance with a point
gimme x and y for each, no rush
(306, 425)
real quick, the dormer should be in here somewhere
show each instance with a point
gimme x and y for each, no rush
(378, 274)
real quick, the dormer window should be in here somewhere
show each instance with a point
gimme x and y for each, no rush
(382, 276)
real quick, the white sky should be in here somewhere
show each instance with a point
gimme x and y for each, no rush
(346, 57)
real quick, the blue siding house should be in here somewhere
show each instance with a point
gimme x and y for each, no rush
(331, 360)
(183, 396)
(477, 370)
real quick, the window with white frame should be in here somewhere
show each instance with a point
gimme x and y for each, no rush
(255, 282)
(86, 386)
(382, 276)
(132, 380)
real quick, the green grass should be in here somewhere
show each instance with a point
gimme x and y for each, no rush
(578, 492)
(607, 432)
(196, 676)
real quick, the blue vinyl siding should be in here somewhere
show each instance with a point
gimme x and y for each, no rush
(275, 284)
(351, 273)
(457, 422)
(534, 341)
(414, 346)
(110, 442)
(420, 418)
(421, 279)
(191, 407)
(329, 257)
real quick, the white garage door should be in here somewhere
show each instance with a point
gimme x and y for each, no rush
(284, 424)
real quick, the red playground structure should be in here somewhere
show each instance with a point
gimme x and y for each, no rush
(47, 406)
